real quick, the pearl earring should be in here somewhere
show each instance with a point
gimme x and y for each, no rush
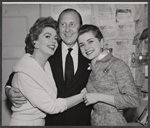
(102, 46)
(35, 46)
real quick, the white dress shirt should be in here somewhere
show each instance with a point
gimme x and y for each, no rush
(74, 54)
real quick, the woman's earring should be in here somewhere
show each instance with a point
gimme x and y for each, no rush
(36, 46)
(102, 43)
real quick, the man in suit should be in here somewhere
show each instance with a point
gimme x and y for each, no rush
(69, 22)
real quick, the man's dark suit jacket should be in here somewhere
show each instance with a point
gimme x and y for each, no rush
(78, 115)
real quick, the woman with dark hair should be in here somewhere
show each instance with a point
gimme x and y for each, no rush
(33, 77)
(111, 87)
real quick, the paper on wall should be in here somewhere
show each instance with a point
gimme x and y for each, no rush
(87, 11)
(123, 15)
(135, 10)
(145, 7)
(84, 9)
(123, 47)
(108, 31)
(89, 20)
(105, 14)
(138, 26)
(144, 16)
(144, 13)
(145, 23)
(56, 9)
(125, 30)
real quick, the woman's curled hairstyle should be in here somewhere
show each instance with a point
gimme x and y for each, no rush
(36, 30)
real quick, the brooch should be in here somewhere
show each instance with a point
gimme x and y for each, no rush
(89, 68)
(106, 70)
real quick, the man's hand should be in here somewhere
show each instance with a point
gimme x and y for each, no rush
(15, 97)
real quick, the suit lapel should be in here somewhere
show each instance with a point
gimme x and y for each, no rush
(56, 64)
(82, 66)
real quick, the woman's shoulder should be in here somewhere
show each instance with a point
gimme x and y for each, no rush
(119, 64)
(118, 60)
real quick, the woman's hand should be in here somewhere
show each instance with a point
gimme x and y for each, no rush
(91, 98)
(83, 91)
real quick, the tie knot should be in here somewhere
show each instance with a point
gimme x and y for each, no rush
(69, 50)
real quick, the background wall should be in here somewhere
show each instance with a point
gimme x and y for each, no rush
(121, 24)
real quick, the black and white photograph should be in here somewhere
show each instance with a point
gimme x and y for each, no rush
(74, 64)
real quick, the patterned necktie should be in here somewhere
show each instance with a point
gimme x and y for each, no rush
(69, 69)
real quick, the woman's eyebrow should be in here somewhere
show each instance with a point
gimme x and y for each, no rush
(90, 39)
(47, 33)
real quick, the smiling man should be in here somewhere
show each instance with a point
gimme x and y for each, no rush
(69, 23)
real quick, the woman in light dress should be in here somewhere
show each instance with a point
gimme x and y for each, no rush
(33, 76)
